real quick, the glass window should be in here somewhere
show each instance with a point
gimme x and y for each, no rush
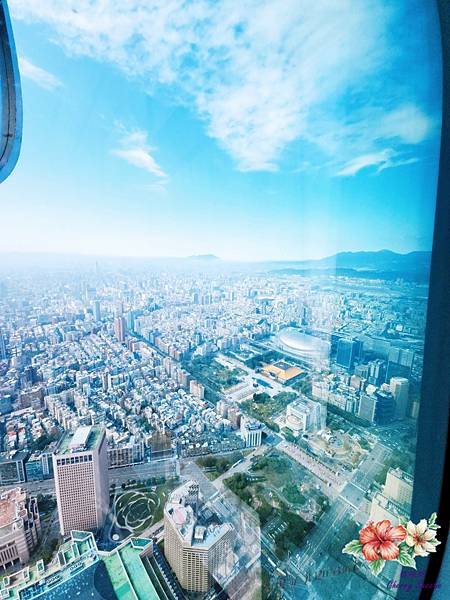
(10, 99)
(217, 261)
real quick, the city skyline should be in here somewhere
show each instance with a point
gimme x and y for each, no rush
(214, 321)
(168, 141)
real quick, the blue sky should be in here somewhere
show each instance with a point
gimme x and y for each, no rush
(171, 128)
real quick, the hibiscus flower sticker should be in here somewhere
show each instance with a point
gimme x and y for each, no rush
(379, 539)
(382, 541)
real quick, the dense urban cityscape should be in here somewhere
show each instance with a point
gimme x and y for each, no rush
(202, 428)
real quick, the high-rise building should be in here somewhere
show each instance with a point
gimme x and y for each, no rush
(3, 354)
(399, 486)
(80, 466)
(366, 409)
(377, 371)
(400, 363)
(97, 311)
(394, 500)
(384, 408)
(251, 432)
(33, 468)
(197, 543)
(84, 571)
(347, 351)
(234, 416)
(304, 415)
(20, 527)
(197, 389)
(362, 371)
(399, 387)
(130, 321)
(120, 328)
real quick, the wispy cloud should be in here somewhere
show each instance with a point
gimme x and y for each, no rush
(134, 148)
(40, 76)
(259, 76)
(385, 159)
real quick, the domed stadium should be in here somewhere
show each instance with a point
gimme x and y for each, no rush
(302, 345)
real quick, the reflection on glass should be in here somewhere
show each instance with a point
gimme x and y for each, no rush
(213, 298)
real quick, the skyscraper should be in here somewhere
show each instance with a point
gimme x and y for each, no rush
(97, 311)
(377, 371)
(384, 408)
(400, 363)
(196, 543)
(120, 328)
(2, 345)
(399, 387)
(367, 406)
(251, 433)
(347, 351)
(304, 415)
(80, 466)
(130, 321)
(399, 486)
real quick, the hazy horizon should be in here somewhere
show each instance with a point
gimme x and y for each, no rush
(206, 257)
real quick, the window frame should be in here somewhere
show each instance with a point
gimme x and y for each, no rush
(432, 477)
(11, 97)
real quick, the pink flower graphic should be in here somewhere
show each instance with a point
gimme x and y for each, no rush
(378, 540)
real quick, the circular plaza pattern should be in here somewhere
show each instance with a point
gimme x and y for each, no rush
(133, 511)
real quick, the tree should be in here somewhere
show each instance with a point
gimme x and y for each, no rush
(261, 398)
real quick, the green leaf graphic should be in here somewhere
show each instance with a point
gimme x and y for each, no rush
(354, 547)
(376, 566)
(406, 560)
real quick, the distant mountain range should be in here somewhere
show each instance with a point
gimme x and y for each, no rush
(383, 264)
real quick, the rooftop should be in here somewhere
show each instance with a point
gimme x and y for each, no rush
(12, 504)
(190, 520)
(283, 370)
(83, 439)
(81, 570)
(403, 475)
(13, 455)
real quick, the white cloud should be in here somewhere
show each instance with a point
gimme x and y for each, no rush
(407, 123)
(259, 73)
(134, 148)
(385, 159)
(40, 76)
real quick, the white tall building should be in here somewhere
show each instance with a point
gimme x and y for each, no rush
(395, 498)
(196, 546)
(304, 415)
(399, 486)
(251, 432)
(399, 387)
(80, 465)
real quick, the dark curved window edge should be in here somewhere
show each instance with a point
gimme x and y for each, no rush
(432, 477)
(11, 109)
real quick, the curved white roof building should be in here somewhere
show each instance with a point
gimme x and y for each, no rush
(302, 345)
